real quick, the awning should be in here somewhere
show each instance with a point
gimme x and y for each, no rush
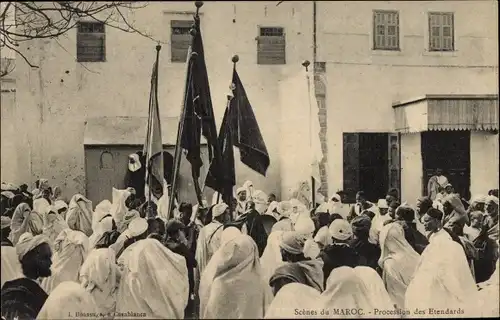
(127, 131)
(447, 113)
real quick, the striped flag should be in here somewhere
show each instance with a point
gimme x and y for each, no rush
(153, 147)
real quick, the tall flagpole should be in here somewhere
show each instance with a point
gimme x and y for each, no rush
(150, 208)
(306, 65)
(180, 129)
(196, 178)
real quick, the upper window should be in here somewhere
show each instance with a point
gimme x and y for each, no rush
(90, 42)
(271, 46)
(180, 39)
(441, 31)
(385, 30)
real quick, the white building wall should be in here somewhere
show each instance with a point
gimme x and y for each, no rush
(56, 99)
(363, 83)
(9, 133)
(483, 162)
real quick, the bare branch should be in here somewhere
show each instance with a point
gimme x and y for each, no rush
(7, 66)
(21, 54)
(82, 64)
(50, 20)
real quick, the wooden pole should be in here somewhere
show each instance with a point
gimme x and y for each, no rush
(150, 208)
(180, 130)
(306, 65)
(195, 175)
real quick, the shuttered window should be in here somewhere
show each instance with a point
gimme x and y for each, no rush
(385, 30)
(441, 31)
(90, 42)
(271, 46)
(180, 39)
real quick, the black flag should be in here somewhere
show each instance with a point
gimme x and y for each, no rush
(198, 115)
(240, 129)
(245, 130)
(227, 179)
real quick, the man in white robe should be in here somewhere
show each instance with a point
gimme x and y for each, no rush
(11, 268)
(442, 279)
(209, 237)
(241, 202)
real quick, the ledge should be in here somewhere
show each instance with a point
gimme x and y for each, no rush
(127, 131)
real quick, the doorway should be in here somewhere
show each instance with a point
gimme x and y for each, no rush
(371, 164)
(449, 151)
(106, 167)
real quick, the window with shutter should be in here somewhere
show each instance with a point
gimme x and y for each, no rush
(271, 46)
(90, 42)
(180, 39)
(385, 30)
(441, 31)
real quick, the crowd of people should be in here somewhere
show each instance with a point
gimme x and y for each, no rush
(256, 257)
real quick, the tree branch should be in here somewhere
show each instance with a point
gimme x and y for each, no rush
(50, 20)
(21, 54)
(7, 66)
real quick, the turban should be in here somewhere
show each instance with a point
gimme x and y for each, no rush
(219, 209)
(304, 224)
(292, 242)
(8, 194)
(259, 197)
(137, 227)
(382, 204)
(479, 199)
(492, 199)
(5, 222)
(240, 189)
(336, 197)
(9, 187)
(340, 229)
(28, 242)
(284, 208)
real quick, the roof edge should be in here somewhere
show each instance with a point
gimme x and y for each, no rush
(398, 104)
